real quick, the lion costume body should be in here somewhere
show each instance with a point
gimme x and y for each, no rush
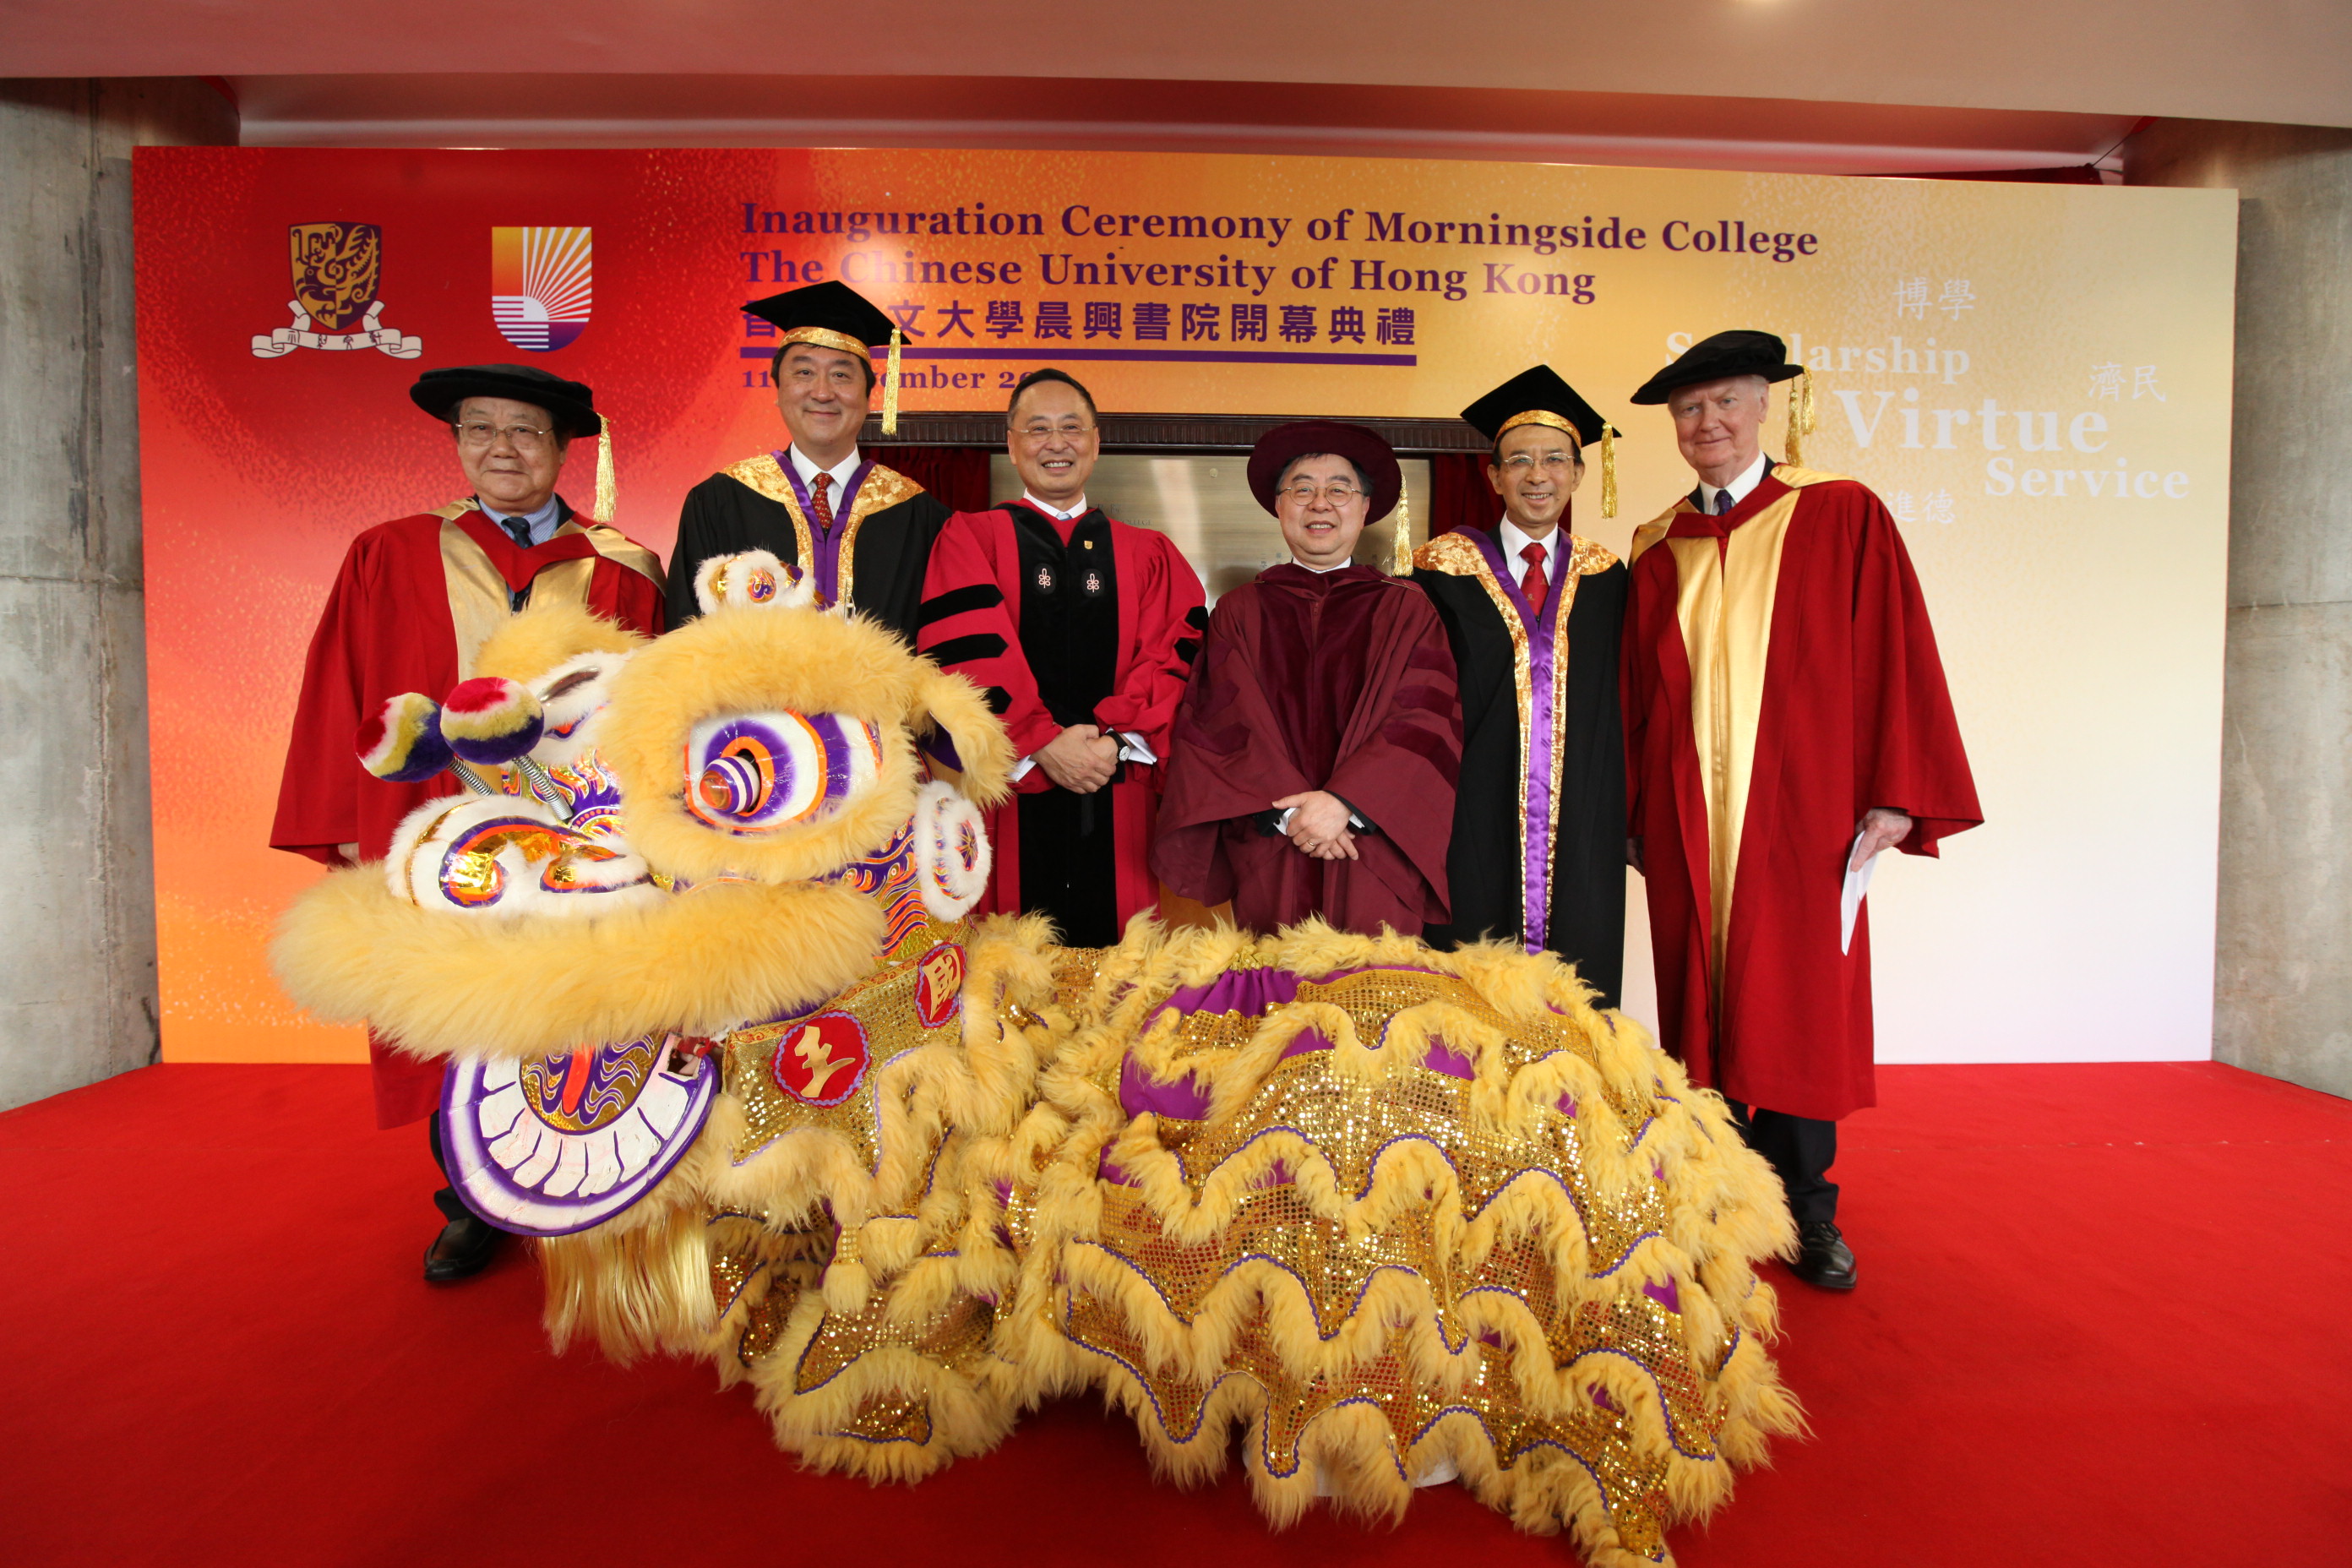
(1405, 1215)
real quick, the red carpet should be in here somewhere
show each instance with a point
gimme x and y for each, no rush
(2103, 1319)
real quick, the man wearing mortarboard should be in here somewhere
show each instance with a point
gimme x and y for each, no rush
(413, 601)
(1786, 720)
(862, 531)
(1312, 761)
(1534, 614)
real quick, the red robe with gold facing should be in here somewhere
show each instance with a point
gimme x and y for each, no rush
(412, 601)
(1340, 681)
(1087, 621)
(1779, 680)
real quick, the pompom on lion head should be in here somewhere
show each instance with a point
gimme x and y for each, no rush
(773, 740)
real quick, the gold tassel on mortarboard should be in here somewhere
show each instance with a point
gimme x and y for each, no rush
(608, 484)
(1400, 548)
(1801, 419)
(1608, 470)
(890, 389)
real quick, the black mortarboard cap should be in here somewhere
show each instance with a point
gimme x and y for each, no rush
(830, 315)
(1535, 396)
(1724, 355)
(570, 404)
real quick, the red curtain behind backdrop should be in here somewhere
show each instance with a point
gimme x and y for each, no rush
(1459, 495)
(957, 474)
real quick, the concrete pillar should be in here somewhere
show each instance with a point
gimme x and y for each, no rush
(2282, 996)
(77, 912)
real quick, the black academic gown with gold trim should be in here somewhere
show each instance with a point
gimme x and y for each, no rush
(1538, 849)
(874, 558)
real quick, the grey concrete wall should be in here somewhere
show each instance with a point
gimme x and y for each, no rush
(78, 918)
(2283, 964)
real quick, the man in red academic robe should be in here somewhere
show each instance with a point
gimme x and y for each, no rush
(1082, 631)
(414, 600)
(1786, 720)
(1316, 751)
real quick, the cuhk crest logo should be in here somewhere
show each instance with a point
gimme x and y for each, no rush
(336, 269)
(539, 286)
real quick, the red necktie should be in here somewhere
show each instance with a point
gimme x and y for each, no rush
(1535, 583)
(822, 507)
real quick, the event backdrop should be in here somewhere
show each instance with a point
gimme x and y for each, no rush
(2035, 377)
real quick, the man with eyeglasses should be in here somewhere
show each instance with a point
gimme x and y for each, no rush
(1315, 753)
(412, 601)
(1533, 613)
(863, 531)
(1785, 721)
(1082, 631)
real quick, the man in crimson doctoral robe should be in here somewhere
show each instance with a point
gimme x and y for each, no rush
(412, 601)
(1082, 631)
(863, 531)
(1786, 720)
(1534, 614)
(1313, 760)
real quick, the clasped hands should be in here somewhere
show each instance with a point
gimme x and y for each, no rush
(1081, 758)
(1318, 826)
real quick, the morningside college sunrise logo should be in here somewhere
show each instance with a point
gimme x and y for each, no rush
(539, 286)
(337, 267)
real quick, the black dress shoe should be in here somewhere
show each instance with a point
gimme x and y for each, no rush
(463, 1246)
(1824, 1259)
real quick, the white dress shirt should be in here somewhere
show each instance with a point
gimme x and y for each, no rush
(1514, 541)
(842, 472)
(1739, 488)
(1050, 509)
(543, 522)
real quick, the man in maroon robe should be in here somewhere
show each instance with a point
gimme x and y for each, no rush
(412, 601)
(1786, 719)
(1315, 753)
(1082, 631)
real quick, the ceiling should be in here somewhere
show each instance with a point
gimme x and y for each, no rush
(1515, 124)
(1834, 84)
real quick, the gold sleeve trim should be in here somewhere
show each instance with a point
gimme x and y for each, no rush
(1452, 555)
(1588, 556)
(764, 474)
(1650, 532)
(884, 489)
(620, 549)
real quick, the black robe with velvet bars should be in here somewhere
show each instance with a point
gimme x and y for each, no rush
(875, 558)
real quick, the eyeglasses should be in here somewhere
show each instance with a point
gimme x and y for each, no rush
(1304, 493)
(524, 437)
(1524, 463)
(1038, 430)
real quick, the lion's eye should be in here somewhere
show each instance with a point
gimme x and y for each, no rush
(759, 772)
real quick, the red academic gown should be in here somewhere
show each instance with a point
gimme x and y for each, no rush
(1339, 681)
(1023, 605)
(412, 601)
(1780, 680)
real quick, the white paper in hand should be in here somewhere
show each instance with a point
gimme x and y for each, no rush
(1857, 883)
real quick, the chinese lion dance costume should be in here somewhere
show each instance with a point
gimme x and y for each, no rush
(721, 1035)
